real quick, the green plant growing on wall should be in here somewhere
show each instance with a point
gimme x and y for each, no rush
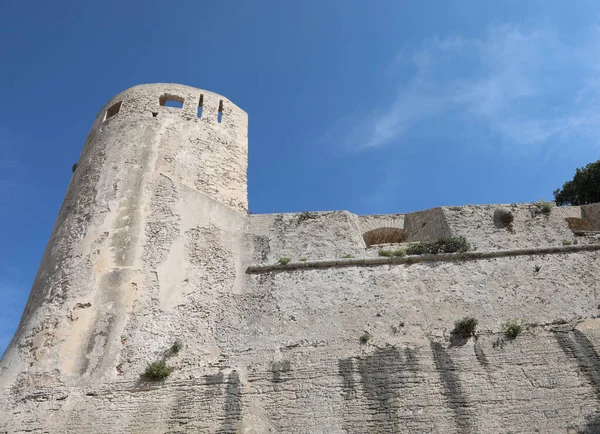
(306, 215)
(542, 207)
(443, 245)
(511, 329)
(566, 242)
(303, 259)
(157, 371)
(465, 327)
(348, 256)
(546, 207)
(364, 339)
(389, 253)
(284, 260)
(176, 347)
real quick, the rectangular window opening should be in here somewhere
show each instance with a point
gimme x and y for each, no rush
(220, 115)
(200, 104)
(168, 100)
(113, 110)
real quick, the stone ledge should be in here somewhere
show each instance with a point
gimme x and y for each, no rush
(444, 257)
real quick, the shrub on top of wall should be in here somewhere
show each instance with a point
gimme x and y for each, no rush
(443, 245)
(546, 207)
(306, 215)
(542, 207)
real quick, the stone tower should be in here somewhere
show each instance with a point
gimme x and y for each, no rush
(163, 168)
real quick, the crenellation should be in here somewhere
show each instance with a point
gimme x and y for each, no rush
(292, 323)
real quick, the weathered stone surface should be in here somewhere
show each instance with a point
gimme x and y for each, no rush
(503, 216)
(153, 245)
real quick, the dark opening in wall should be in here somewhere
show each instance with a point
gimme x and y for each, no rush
(200, 104)
(384, 236)
(113, 110)
(220, 115)
(168, 100)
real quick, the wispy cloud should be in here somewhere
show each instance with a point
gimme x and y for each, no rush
(522, 87)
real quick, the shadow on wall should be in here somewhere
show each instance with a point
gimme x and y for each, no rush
(591, 214)
(577, 346)
(383, 376)
(385, 235)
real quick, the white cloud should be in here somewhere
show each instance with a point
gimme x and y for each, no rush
(521, 86)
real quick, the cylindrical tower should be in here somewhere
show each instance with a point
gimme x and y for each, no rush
(162, 175)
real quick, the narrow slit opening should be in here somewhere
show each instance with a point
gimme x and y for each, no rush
(168, 100)
(220, 115)
(113, 110)
(200, 104)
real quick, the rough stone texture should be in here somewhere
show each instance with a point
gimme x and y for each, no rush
(308, 235)
(503, 216)
(530, 226)
(427, 225)
(153, 245)
(591, 213)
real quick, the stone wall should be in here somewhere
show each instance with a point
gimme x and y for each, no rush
(591, 214)
(531, 227)
(284, 354)
(308, 235)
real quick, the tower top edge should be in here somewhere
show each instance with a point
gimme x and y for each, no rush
(167, 88)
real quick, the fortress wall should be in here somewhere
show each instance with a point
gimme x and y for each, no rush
(537, 383)
(290, 359)
(530, 227)
(305, 235)
(410, 377)
(341, 303)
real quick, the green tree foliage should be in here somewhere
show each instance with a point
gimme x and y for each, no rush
(582, 189)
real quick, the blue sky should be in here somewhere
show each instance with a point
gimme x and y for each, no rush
(373, 107)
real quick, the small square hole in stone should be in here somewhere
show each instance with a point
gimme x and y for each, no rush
(113, 110)
(168, 100)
